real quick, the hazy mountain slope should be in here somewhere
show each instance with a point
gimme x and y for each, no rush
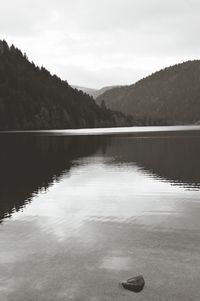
(172, 94)
(86, 90)
(31, 98)
(93, 92)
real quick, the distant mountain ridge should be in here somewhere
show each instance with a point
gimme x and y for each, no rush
(86, 90)
(93, 92)
(171, 95)
(32, 98)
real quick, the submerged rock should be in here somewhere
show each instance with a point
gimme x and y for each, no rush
(134, 284)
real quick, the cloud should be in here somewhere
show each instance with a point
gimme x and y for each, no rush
(103, 42)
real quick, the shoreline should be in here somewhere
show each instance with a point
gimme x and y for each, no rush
(108, 131)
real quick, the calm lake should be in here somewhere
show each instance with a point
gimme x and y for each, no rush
(80, 211)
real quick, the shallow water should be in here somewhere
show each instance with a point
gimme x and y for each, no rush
(81, 213)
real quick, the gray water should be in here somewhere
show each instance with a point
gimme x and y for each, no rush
(81, 211)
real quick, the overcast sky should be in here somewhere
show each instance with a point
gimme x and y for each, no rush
(97, 43)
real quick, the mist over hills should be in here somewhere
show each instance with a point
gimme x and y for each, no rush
(32, 98)
(93, 92)
(169, 96)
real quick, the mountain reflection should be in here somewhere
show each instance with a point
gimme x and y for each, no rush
(30, 162)
(173, 158)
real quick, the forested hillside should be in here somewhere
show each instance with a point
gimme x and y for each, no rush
(32, 98)
(170, 96)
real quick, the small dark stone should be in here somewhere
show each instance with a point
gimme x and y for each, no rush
(134, 284)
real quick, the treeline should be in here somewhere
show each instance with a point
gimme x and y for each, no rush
(32, 98)
(170, 96)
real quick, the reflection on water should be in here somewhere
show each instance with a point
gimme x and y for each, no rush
(81, 213)
(30, 163)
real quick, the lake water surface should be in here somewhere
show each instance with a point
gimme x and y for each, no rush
(80, 211)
